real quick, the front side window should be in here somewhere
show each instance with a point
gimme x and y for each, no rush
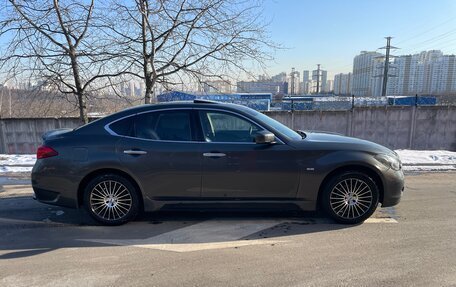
(224, 127)
(165, 125)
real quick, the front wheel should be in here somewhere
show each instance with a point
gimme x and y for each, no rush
(350, 197)
(111, 199)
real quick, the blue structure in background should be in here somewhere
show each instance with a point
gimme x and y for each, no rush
(297, 103)
(260, 101)
(412, 101)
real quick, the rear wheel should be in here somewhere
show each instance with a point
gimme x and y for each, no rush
(350, 197)
(111, 199)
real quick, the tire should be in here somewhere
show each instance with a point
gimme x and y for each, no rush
(350, 197)
(111, 199)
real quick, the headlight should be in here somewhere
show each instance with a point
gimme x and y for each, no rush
(389, 161)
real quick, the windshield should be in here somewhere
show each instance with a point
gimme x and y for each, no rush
(281, 128)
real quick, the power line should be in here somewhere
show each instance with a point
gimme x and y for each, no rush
(433, 40)
(427, 31)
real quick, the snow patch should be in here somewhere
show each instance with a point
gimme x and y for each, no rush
(427, 157)
(15, 169)
(17, 159)
(428, 167)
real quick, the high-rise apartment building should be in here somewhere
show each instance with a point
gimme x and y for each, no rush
(329, 86)
(342, 84)
(305, 76)
(294, 82)
(306, 83)
(319, 81)
(426, 73)
(443, 75)
(363, 72)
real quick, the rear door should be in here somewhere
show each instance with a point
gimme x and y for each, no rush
(163, 154)
(234, 166)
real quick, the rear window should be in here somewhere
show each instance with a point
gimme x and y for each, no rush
(123, 127)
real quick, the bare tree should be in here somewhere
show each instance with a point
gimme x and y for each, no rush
(172, 41)
(58, 43)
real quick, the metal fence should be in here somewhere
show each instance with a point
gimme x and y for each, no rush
(331, 103)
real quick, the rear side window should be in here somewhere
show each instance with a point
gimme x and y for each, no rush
(123, 127)
(166, 125)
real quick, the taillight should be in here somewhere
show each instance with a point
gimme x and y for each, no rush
(45, 151)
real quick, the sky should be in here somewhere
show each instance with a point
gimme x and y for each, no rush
(332, 32)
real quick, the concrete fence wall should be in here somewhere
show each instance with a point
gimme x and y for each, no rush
(432, 127)
(23, 136)
(422, 127)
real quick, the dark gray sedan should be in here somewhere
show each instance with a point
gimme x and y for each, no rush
(197, 154)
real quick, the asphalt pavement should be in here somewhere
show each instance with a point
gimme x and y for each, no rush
(412, 244)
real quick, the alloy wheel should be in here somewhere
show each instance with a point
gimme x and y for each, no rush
(110, 200)
(351, 198)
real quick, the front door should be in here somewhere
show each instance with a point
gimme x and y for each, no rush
(234, 166)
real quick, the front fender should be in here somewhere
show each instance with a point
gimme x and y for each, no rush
(315, 174)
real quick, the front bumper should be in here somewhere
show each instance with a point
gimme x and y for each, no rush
(393, 187)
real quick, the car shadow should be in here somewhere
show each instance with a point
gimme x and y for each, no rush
(31, 228)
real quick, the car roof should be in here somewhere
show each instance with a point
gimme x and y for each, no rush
(198, 103)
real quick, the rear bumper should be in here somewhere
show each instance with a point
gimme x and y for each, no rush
(52, 197)
(51, 187)
(393, 187)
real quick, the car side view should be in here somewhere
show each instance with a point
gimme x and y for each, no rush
(203, 153)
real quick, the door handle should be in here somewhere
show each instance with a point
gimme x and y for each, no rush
(134, 152)
(214, 154)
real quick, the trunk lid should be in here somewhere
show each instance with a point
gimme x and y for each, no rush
(52, 134)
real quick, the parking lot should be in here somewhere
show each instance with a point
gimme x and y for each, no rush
(412, 244)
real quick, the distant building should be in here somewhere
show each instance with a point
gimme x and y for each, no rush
(329, 86)
(306, 84)
(363, 72)
(305, 75)
(275, 85)
(294, 82)
(319, 81)
(426, 73)
(257, 101)
(342, 84)
(443, 75)
(282, 77)
(217, 86)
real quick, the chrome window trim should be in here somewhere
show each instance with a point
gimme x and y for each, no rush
(111, 132)
(242, 116)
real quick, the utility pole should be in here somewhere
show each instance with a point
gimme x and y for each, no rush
(388, 48)
(293, 75)
(318, 78)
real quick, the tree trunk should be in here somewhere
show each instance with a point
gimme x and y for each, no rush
(79, 90)
(82, 109)
(149, 94)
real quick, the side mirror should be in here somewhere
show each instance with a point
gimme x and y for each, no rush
(264, 137)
